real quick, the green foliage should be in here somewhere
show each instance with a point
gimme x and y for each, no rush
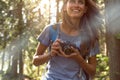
(102, 67)
(117, 36)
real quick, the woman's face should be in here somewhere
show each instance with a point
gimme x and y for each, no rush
(75, 8)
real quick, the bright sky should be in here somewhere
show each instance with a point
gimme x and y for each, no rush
(44, 6)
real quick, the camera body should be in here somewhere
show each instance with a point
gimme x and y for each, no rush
(66, 47)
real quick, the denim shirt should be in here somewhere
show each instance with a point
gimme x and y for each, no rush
(61, 68)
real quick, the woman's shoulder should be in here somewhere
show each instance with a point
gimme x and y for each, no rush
(48, 26)
(52, 26)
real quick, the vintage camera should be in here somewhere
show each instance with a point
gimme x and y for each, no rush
(66, 47)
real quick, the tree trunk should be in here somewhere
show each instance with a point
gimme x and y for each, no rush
(57, 12)
(20, 30)
(17, 61)
(112, 18)
(3, 54)
(13, 70)
(49, 11)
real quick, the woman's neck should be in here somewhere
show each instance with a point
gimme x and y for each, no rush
(67, 29)
(73, 23)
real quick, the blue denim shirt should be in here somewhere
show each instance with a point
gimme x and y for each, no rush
(61, 68)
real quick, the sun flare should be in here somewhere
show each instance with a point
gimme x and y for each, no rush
(48, 9)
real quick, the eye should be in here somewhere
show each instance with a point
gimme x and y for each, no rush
(81, 2)
(72, 1)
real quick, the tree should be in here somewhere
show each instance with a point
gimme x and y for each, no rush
(3, 32)
(13, 38)
(57, 12)
(112, 18)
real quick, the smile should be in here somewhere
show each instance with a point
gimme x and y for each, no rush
(76, 10)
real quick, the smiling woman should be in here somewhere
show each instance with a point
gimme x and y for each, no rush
(77, 29)
(74, 9)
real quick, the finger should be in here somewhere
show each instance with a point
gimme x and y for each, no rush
(55, 47)
(58, 40)
(74, 49)
(73, 54)
(61, 53)
(54, 52)
(55, 44)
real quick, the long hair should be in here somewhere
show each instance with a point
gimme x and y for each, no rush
(89, 23)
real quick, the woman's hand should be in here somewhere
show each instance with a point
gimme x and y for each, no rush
(73, 55)
(55, 47)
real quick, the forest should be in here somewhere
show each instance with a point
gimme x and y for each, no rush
(21, 21)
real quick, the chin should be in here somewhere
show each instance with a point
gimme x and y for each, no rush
(76, 17)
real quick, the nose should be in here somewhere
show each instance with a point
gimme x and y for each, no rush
(76, 3)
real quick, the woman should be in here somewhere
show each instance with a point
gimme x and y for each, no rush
(78, 27)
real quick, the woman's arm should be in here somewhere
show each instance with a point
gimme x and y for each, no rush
(90, 67)
(40, 58)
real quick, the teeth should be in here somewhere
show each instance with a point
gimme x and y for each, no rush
(76, 10)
